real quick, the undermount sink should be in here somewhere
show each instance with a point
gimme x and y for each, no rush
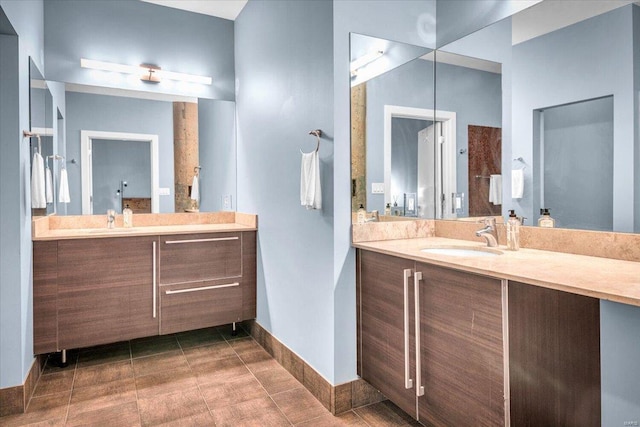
(462, 251)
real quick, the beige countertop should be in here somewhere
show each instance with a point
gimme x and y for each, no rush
(604, 278)
(94, 226)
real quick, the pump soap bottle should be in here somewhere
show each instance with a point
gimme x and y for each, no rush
(387, 209)
(127, 217)
(513, 232)
(362, 215)
(545, 219)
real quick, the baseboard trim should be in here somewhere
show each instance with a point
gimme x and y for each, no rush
(15, 400)
(337, 399)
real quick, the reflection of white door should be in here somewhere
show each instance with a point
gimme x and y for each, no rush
(437, 163)
(426, 174)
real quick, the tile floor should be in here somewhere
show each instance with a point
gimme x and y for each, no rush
(198, 378)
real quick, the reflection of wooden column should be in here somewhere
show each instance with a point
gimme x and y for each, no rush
(358, 146)
(185, 152)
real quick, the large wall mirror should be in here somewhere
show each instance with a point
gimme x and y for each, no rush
(526, 116)
(118, 148)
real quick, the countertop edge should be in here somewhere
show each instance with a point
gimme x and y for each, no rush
(70, 234)
(501, 275)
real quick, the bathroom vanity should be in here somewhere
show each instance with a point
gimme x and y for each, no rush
(172, 273)
(507, 339)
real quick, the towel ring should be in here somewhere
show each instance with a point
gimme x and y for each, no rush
(318, 134)
(521, 160)
(196, 170)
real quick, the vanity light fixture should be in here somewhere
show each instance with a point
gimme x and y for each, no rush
(364, 60)
(147, 72)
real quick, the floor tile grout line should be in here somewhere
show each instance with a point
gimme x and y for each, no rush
(73, 381)
(196, 378)
(135, 383)
(256, 378)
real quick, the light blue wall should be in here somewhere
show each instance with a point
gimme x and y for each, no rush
(541, 67)
(16, 312)
(404, 21)
(135, 32)
(59, 132)
(284, 80)
(458, 18)
(118, 114)
(115, 161)
(578, 164)
(217, 150)
(636, 88)
(619, 358)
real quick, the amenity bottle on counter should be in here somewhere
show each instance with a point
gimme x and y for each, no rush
(127, 217)
(387, 209)
(513, 232)
(545, 219)
(362, 215)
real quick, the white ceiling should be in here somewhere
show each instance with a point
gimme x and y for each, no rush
(227, 9)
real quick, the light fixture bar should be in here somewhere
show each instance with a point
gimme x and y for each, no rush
(144, 70)
(365, 60)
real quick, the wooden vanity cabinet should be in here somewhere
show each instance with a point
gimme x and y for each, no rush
(105, 291)
(102, 290)
(382, 327)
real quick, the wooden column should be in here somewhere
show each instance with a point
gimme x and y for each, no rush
(358, 146)
(185, 153)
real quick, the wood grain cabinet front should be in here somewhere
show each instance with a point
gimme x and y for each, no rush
(205, 280)
(102, 290)
(106, 290)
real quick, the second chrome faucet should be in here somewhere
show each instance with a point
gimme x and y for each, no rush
(489, 231)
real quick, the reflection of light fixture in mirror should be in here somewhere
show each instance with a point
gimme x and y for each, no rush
(147, 72)
(364, 60)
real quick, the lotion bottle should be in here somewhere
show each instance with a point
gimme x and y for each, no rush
(127, 217)
(387, 209)
(545, 219)
(513, 232)
(362, 215)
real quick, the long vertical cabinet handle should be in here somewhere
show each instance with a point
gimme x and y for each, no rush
(155, 279)
(408, 382)
(417, 277)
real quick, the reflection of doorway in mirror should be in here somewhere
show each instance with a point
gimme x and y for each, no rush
(105, 171)
(485, 159)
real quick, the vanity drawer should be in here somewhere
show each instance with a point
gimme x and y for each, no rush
(191, 258)
(199, 305)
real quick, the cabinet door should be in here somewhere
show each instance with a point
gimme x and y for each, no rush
(105, 290)
(382, 327)
(200, 257)
(554, 357)
(45, 296)
(461, 348)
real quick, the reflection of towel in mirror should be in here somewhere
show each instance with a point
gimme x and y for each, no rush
(495, 189)
(310, 191)
(517, 183)
(195, 189)
(63, 196)
(38, 197)
(48, 184)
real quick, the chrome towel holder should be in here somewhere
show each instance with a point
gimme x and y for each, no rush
(317, 133)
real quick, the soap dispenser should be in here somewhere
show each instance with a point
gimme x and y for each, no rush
(362, 215)
(127, 217)
(545, 219)
(513, 231)
(387, 209)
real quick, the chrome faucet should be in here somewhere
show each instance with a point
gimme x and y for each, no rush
(489, 231)
(375, 217)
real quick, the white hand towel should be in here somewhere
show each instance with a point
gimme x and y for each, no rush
(63, 196)
(195, 189)
(310, 191)
(495, 189)
(48, 184)
(38, 197)
(517, 183)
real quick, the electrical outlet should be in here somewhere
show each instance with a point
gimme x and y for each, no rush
(630, 423)
(377, 188)
(164, 191)
(226, 202)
